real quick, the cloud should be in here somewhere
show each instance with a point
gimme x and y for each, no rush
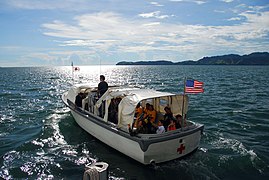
(117, 30)
(190, 1)
(234, 19)
(227, 1)
(155, 14)
(65, 5)
(43, 56)
(11, 48)
(41, 4)
(61, 57)
(156, 4)
(200, 2)
(111, 33)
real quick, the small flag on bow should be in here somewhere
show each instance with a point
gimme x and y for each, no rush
(194, 86)
(74, 68)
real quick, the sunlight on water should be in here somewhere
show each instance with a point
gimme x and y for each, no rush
(40, 139)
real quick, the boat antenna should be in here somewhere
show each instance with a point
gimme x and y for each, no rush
(100, 66)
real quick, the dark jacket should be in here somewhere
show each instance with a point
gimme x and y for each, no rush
(102, 87)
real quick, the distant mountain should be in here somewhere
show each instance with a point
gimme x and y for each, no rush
(162, 62)
(257, 58)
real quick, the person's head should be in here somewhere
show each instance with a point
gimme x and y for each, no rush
(102, 78)
(138, 105)
(151, 107)
(147, 106)
(160, 123)
(178, 117)
(118, 99)
(172, 121)
(167, 109)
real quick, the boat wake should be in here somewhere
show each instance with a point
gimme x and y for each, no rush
(229, 150)
(51, 152)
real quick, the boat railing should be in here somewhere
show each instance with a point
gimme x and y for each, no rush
(190, 126)
(152, 136)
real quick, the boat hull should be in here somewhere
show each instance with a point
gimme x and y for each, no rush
(144, 149)
(110, 137)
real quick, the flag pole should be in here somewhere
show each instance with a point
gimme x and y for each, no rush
(72, 66)
(183, 104)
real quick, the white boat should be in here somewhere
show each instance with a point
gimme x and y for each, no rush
(95, 117)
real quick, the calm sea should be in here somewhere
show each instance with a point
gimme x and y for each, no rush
(39, 138)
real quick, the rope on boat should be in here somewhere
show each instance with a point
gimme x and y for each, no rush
(91, 174)
(96, 171)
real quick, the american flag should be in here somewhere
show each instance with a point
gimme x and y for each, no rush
(194, 86)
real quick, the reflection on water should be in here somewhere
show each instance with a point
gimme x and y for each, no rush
(40, 139)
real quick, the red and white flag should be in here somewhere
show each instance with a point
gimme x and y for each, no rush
(194, 86)
(74, 68)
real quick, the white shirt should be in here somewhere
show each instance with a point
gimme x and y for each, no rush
(160, 130)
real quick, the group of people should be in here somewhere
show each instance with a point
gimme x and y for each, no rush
(170, 122)
(146, 121)
(101, 89)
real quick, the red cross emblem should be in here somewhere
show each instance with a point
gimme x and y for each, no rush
(181, 149)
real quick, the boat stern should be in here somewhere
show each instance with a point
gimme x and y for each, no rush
(173, 148)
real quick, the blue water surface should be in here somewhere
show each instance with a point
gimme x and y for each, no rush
(39, 138)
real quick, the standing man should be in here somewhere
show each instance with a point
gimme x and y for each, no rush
(102, 86)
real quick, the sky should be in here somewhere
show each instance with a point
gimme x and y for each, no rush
(93, 32)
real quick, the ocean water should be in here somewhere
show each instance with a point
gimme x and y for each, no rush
(39, 138)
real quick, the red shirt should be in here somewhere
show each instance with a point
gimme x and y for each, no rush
(171, 127)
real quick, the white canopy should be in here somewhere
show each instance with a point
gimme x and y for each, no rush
(130, 97)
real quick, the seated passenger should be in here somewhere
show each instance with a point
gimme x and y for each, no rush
(172, 125)
(78, 101)
(138, 110)
(178, 121)
(146, 108)
(142, 128)
(167, 117)
(160, 128)
(150, 119)
(151, 114)
(138, 114)
(113, 111)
